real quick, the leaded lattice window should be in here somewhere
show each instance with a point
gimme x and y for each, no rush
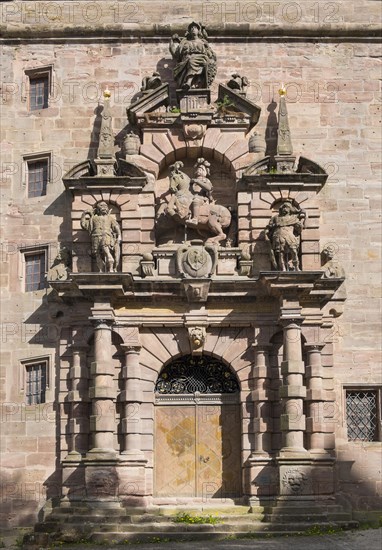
(37, 178)
(35, 271)
(39, 92)
(35, 383)
(192, 374)
(362, 415)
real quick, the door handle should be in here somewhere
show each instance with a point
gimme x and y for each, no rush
(204, 459)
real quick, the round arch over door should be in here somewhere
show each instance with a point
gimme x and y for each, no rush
(197, 430)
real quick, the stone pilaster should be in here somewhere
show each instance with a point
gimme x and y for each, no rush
(316, 398)
(293, 391)
(260, 396)
(102, 393)
(78, 397)
(131, 399)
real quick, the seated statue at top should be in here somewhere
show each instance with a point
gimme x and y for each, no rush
(196, 61)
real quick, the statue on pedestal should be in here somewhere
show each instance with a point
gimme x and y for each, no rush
(105, 236)
(283, 232)
(196, 61)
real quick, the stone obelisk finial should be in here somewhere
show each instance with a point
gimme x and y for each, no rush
(105, 159)
(284, 159)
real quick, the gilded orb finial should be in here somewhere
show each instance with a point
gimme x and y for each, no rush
(282, 90)
(107, 93)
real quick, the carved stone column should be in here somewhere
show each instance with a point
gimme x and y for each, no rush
(78, 397)
(316, 397)
(260, 395)
(131, 399)
(292, 392)
(102, 393)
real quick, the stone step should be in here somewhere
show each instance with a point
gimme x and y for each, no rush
(142, 519)
(281, 524)
(217, 534)
(307, 517)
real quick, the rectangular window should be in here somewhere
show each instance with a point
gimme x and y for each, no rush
(38, 172)
(35, 268)
(38, 92)
(36, 383)
(39, 87)
(362, 414)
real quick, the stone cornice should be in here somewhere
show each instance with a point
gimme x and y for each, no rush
(143, 19)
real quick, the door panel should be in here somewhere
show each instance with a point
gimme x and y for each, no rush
(197, 451)
(175, 451)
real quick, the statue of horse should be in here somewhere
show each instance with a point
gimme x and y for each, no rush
(211, 218)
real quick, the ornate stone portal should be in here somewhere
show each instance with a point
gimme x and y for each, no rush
(172, 284)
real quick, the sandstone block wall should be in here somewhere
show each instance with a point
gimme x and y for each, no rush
(334, 104)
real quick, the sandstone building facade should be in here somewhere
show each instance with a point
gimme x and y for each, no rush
(191, 255)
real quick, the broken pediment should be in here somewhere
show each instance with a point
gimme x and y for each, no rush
(233, 102)
(304, 173)
(84, 176)
(151, 101)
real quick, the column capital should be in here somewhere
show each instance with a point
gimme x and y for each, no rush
(259, 346)
(131, 348)
(293, 320)
(80, 348)
(99, 323)
(314, 346)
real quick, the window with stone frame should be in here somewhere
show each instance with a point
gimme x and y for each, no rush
(36, 382)
(39, 86)
(37, 177)
(36, 174)
(35, 267)
(363, 413)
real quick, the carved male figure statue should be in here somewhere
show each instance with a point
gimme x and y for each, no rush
(284, 235)
(105, 236)
(201, 188)
(60, 268)
(196, 62)
(332, 268)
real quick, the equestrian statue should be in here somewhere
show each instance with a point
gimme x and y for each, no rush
(191, 203)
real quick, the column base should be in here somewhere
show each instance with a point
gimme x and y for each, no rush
(73, 456)
(133, 456)
(101, 454)
(293, 452)
(322, 453)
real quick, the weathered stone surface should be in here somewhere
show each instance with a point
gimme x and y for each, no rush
(332, 92)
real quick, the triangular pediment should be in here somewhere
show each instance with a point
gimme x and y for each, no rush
(239, 103)
(149, 102)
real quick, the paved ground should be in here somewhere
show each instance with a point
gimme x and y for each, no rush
(370, 539)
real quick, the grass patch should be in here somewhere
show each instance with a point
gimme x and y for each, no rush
(185, 517)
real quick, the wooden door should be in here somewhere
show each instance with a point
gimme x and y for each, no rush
(197, 451)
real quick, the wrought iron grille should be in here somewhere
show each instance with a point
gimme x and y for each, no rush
(362, 415)
(196, 374)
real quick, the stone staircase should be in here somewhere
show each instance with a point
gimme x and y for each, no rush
(119, 525)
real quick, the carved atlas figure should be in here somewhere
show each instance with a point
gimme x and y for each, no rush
(191, 203)
(196, 61)
(283, 232)
(105, 236)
